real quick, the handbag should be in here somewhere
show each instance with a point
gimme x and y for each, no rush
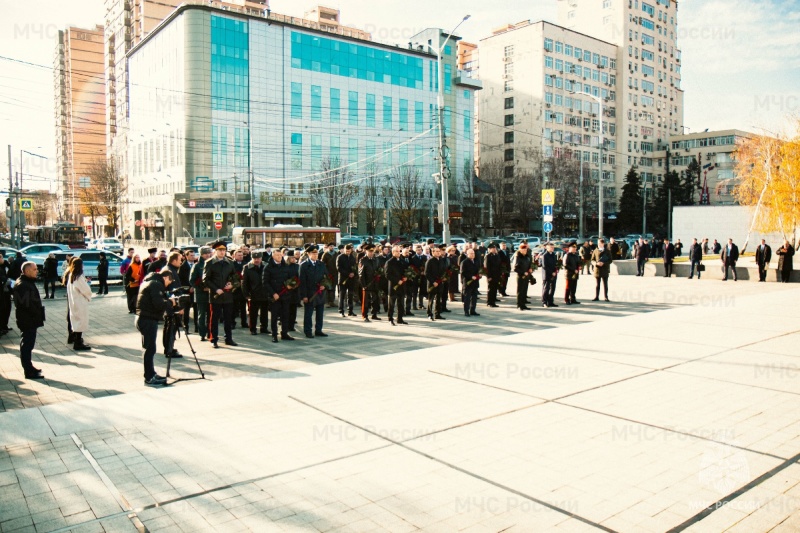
(701, 268)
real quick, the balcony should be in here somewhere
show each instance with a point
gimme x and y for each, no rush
(463, 78)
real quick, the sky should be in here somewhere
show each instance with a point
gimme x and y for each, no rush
(741, 59)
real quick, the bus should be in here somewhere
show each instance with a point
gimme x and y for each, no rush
(288, 235)
(60, 233)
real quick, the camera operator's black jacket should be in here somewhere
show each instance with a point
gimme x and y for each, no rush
(252, 283)
(152, 301)
(30, 311)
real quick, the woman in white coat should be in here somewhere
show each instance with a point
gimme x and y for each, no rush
(79, 294)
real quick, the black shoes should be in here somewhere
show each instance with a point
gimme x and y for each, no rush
(445, 310)
(350, 313)
(174, 355)
(34, 373)
(275, 338)
(409, 313)
(253, 332)
(575, 302)
(81, 347)
(156, 381)
(440, 317)
(431, 317)
(466, 313)
(309, 335)
(320, 334)
(401, 321)
(341, 315)
(492, 305)
(473, 313)
(376, 317)
(595, 299)
(284, 337)
(230, 343)
(366, 319)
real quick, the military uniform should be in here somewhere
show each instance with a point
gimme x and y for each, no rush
(523, 267)
(394, 288)
(217, 273)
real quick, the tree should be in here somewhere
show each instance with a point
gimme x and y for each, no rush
(405, 196)
(769, 180)
(630, 203)
(492, 172)
(106, 192)
(690, 184)
(659, 208)
(334, 192)
(372, 199)
(469, 197)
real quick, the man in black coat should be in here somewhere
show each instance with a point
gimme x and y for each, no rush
(785, 261)
(409, 286)
(395, 289)
(149, 259)
(5, 296)
(370, 284)
(434, 270)
(572, 266)
(239, 300)
(642, 255)
(347, 268)
(256, 294)
(418, 260)
(152, 305)
(549, 263)
(219, 277)
(312, 274)
(492, 262)
(729, 256)
(294, 300)
(668, 253)
(505, 268)
(102, 274)
(157, 264)
(470, 276)
(274, 277)
(30, 317)
(329, 258)
(695, 257)
(763, 257)
(523, 267)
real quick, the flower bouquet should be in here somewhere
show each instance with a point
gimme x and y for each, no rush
(289, 285)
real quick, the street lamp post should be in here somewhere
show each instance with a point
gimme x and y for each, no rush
(580, 204)
(444, 170)
(18, 236)
(601, 145)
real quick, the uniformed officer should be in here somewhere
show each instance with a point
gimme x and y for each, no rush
(370, 284)
(220, 278)
(256, 294)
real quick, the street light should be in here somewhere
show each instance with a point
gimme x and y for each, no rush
(601, 146)
(443, 167)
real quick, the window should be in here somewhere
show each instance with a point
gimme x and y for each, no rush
(419, 116)
(508, 172)
(560, 65)
(508, 51)
(387, 113)
(352, 153)
(647, 8)
(647, 55)
(316, 102)
(548, 45)
(316, 152)
(467, 125)
(508, 86)
(578, 53)
(568, 50)
(548, 97)
(352, 108)
(548, 62)
(559, 47)
(371, 110)
(297, 151)
(448, 78)
(297, 100)
(509, 137)
(403, 113)
(334, 150)
(647, 39)
(509, 103)
(509, 120)
(548, 80)
(508, 155)
(648, 24)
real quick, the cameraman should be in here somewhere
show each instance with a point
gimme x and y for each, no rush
(151, 306)
(171, 327)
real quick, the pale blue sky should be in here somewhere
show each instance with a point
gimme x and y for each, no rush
(741, 58)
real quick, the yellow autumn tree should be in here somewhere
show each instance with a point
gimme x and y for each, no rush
(768, 172)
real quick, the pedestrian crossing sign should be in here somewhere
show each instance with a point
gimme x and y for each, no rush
(217, 216)
(548, 196)
(26, 205)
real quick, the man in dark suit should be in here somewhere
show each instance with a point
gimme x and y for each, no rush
(729, 256)
(505, 268)
(347, 268)
(312, 272)
(418, 260)
(492, 262)
(549, 264)
(370, 284)
(668, 252)
(642, 255)
(274, 277)
(434, 270)
(763, 256)
(395, 285)
(256, 294)
(696, 258)
(470, 276)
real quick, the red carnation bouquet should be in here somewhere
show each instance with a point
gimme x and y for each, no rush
(289, 285)
(481, 273)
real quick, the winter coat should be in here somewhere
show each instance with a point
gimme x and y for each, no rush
(50, 269)
(30, 311)
(602, 256)
(79, 294)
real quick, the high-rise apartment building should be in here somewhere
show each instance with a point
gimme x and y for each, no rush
(220, 99)
(80, 114)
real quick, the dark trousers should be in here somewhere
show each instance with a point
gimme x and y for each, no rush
(330, 297)
(131, 293)
(785, 275)
(169, 332)
(51, 285)
(255, 308)
(434, 294)
(572, 286)
(422, 291)
(240, 308)
(668, 269)
(149, 330)
(548, 288)
(695, 265)
(522, 291)
(192, 306)
(442, 304)
(346, 294)
(731, 265)
(762, 272)
(503, 284)
(224, 312)
(469, 295)
(640, 267)
(315, 307)
(604, 279)
(5, 308)
(410, 294)
(202, 316)
(26, 344)
(281, 309)
(491, 299)
(370, 303)
(102, 285)
(396, 300)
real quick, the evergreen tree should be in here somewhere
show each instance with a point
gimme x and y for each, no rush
(629, 217)
(690, 184)
(662, 204)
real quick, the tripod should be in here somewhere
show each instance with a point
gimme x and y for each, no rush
(180, 325)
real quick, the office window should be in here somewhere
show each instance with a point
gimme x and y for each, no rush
(448, 78)
(371, 110)
(316, 102)
(229, 65)
(548, 45)
(508, 51)
(335, 150)
(297, 100)
(352, 155)
(387, 113)
(508, 172)
(447, 114)
(508, 86)
(559, 47)
(548, 98)
(297, 151)
(509, 120)
(509, 103)
(316, 152)
(508, 154)
(336, 106)
(403, 114)
(352, 108)
(548, 61)
(509, 137)
(467, 124)
(419, 116)
(568, 50)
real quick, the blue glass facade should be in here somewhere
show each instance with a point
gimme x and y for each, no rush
(230, 65)
(329, 56)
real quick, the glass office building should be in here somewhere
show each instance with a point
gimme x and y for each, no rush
(226, 106)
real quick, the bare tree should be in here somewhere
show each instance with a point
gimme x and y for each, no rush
(405, 196)
(334, 193)
(470, 198)
(105, 194)
(372, 199)
(492, 172)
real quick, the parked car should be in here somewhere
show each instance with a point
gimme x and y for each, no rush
(91, 258)
(109, 244)
(8, 253)
(42, 248)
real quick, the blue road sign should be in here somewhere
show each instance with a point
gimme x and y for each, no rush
(547, 210)
(548, 227)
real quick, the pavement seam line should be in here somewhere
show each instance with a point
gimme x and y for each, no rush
(722, 502)
(118, 496)
(462, 470)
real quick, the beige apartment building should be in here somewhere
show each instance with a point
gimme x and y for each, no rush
(80, 114)
(533, 75)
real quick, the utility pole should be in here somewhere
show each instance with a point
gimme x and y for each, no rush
(252, 205)
(235, 202)
(10, 196)
(580, 204)
(644, 209)
(669, 213)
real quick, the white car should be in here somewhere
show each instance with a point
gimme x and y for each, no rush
(109, 244)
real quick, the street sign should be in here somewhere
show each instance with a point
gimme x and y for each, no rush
(217, 216)
(26, 204)
(218, 225)
(547, 210)
(547, 218)
(548, 196)
(548, 227)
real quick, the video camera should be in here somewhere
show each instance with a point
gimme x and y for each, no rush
(181, 296)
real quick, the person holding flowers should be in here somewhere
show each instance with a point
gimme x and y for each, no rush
(371, 278)
(395, 273)
(434, 273)
(471, 274)
(314, 282)
(348, 269)
(276, 280)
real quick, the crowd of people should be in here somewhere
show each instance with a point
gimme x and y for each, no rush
(262, 290)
